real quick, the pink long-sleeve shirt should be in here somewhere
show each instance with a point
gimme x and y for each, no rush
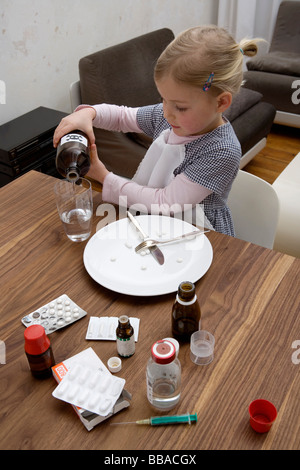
(180, 192)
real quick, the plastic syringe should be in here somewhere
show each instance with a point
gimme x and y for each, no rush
(159, 420)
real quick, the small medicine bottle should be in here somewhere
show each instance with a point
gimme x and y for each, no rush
(38, 351)
(72, 156)
(125, 337)
(163, 376)
(186, 312)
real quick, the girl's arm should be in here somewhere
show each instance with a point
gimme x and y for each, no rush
(104, 116)
(181, 191)
(115, 118)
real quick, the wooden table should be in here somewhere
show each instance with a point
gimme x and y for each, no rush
(249, 300)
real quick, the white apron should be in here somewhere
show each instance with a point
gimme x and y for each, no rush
(161, 159)
(156, 171)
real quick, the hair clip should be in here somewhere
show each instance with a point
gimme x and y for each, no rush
(208, 82)
(242, 51)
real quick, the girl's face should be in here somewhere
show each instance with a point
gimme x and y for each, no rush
(187, 109)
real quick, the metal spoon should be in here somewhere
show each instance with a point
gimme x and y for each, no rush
(150, 242)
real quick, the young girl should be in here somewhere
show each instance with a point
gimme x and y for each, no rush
(195, 154)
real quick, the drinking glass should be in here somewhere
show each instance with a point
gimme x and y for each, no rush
(75, 207)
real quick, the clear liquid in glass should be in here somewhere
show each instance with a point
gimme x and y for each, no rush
(77, 224)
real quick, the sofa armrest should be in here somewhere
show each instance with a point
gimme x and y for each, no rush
(284, 63)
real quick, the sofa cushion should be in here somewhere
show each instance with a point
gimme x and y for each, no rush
(275, 88)
(277, 62)
(286, 31)
(241, 102)
(123, 74)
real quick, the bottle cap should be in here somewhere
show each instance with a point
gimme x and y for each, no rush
(114, 364)
(175, 342)
(163, 352)
(262, 415)
(36, 340)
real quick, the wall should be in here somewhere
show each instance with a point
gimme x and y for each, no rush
(41, 41)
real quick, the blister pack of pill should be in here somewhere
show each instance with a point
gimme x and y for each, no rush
(56, 314)
(91, 389)
(105, 328)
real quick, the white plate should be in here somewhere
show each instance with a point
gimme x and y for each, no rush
(110, 259)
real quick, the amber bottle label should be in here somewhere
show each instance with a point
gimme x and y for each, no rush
(74, 138)
(126, 346)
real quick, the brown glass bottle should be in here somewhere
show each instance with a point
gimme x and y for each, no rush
(38, 351)
(125, 337)
(72, 156)
(186, 312)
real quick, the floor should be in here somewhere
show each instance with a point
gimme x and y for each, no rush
(283, 143)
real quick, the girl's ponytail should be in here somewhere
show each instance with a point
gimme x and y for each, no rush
(249, 46)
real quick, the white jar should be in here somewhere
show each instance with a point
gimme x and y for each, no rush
(163, 376)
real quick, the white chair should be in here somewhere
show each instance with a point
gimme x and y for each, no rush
(75, 95)
(287, 187)
(255, 209)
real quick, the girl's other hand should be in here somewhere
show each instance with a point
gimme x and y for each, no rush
(98, 170)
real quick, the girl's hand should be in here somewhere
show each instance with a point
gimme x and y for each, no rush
(81, 120)
(98, 170)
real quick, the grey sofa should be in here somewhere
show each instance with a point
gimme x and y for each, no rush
(123, 75)
(276, 75)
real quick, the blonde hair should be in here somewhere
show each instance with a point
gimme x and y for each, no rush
(199, 52)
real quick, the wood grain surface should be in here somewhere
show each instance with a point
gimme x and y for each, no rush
(249, 300)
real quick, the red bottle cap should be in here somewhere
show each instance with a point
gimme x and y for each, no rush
(163, 352)
(36, 340)
(262, 415)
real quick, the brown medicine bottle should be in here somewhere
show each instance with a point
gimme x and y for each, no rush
(125, 337)
(186, 312)
(38, 351)
(72, 156)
